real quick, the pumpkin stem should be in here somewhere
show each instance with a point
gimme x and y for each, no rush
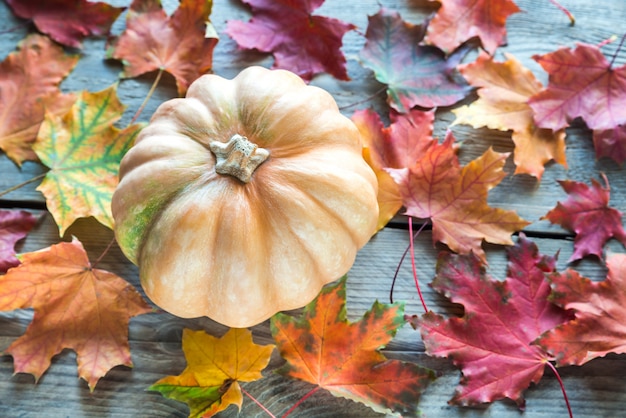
(238, 157)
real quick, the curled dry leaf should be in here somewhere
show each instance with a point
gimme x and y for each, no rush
(76, 307)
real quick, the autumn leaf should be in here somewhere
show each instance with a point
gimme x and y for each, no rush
(83, 151)
(181, 44)
(356, 370)
(415, 75)
(611, 143)
(599, 326)
(215, 366)
(455, 198)
(14, 225)
(67, 21)
(300, 41)
(492, 342)
(458, 21)
(29, 86)
(76, 307)
(587, 213)
(399, 145)
(582, 83)
(504, 90)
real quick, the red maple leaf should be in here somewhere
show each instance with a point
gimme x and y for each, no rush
(611, 143)
(457, 21)
(455, 198)
(301, 42)
(599, 326)
(67, 21)
(492, 342)
(14, 225)
(582, 84)
(415, 75)
(586, 212)
(181, 44)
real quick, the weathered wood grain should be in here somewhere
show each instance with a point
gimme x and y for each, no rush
(596, 389)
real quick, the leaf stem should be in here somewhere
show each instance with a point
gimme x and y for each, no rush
(406, 251)
(106, 250)
(22, 184)
(267, 411)
(619, 48)
(305, 397)
(155, 83)
(558, 377)
(417, 286)
(569, 14)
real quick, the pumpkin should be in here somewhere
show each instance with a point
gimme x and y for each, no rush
(244, 198)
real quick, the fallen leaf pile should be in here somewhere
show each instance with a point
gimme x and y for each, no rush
(510, 329)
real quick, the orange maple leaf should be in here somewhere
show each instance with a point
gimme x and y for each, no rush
(323, 348)
(29, 85)
(397, 146)
(504, 91)
(209, 383)
(76, 307)
(181, 44)
(455, 198)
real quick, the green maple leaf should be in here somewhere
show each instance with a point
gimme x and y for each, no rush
(83, 151)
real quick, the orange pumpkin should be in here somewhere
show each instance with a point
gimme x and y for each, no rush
(244, 198)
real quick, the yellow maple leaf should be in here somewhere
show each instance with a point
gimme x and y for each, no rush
(504, 90)
(215, 366)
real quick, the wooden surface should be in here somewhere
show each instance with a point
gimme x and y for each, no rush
(597, 389)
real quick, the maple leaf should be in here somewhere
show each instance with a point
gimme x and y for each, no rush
(611, 143)
(215, 366)
(457, 21)
(83, 151)
(504, 90)
(599, 326)
(76, 307)
(181, 44)
(415, 75)
(455, 198)
(29, 85)
(583, 84)
(356, 370)
(14, 225)
(398, 145)
(587, 213)
(492, 342)
(67, 21)
(301, 42)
